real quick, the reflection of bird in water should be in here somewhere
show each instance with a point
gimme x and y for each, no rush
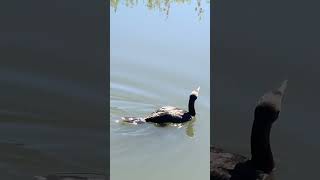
(190, 128)
(168, 114)
(228, 166)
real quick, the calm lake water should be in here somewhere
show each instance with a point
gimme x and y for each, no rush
(53, 95)
(258, 45)
(157, 59)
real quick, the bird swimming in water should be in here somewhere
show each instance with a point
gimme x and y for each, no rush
(168, 114)
(228, 166)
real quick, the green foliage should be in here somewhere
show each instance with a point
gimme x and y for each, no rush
(161, 5)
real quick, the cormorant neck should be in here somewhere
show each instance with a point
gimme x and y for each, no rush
(262, 157)
(192, 111)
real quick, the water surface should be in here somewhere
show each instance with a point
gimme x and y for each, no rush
(157, 59)
(52, 100)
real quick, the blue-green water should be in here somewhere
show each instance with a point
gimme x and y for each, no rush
(157, 59)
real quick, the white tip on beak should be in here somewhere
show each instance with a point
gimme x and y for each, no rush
(196, 92)
(283, 86)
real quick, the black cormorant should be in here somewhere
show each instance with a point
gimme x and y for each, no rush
(168, 114)
(229, 166)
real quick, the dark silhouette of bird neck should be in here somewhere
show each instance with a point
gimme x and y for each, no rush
(265, 114)
(193, 97)
(262, 157)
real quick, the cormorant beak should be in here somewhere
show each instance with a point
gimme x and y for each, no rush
(283, 87)
(196, 92)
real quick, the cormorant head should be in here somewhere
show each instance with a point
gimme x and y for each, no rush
(194, 94)
(269, 105)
